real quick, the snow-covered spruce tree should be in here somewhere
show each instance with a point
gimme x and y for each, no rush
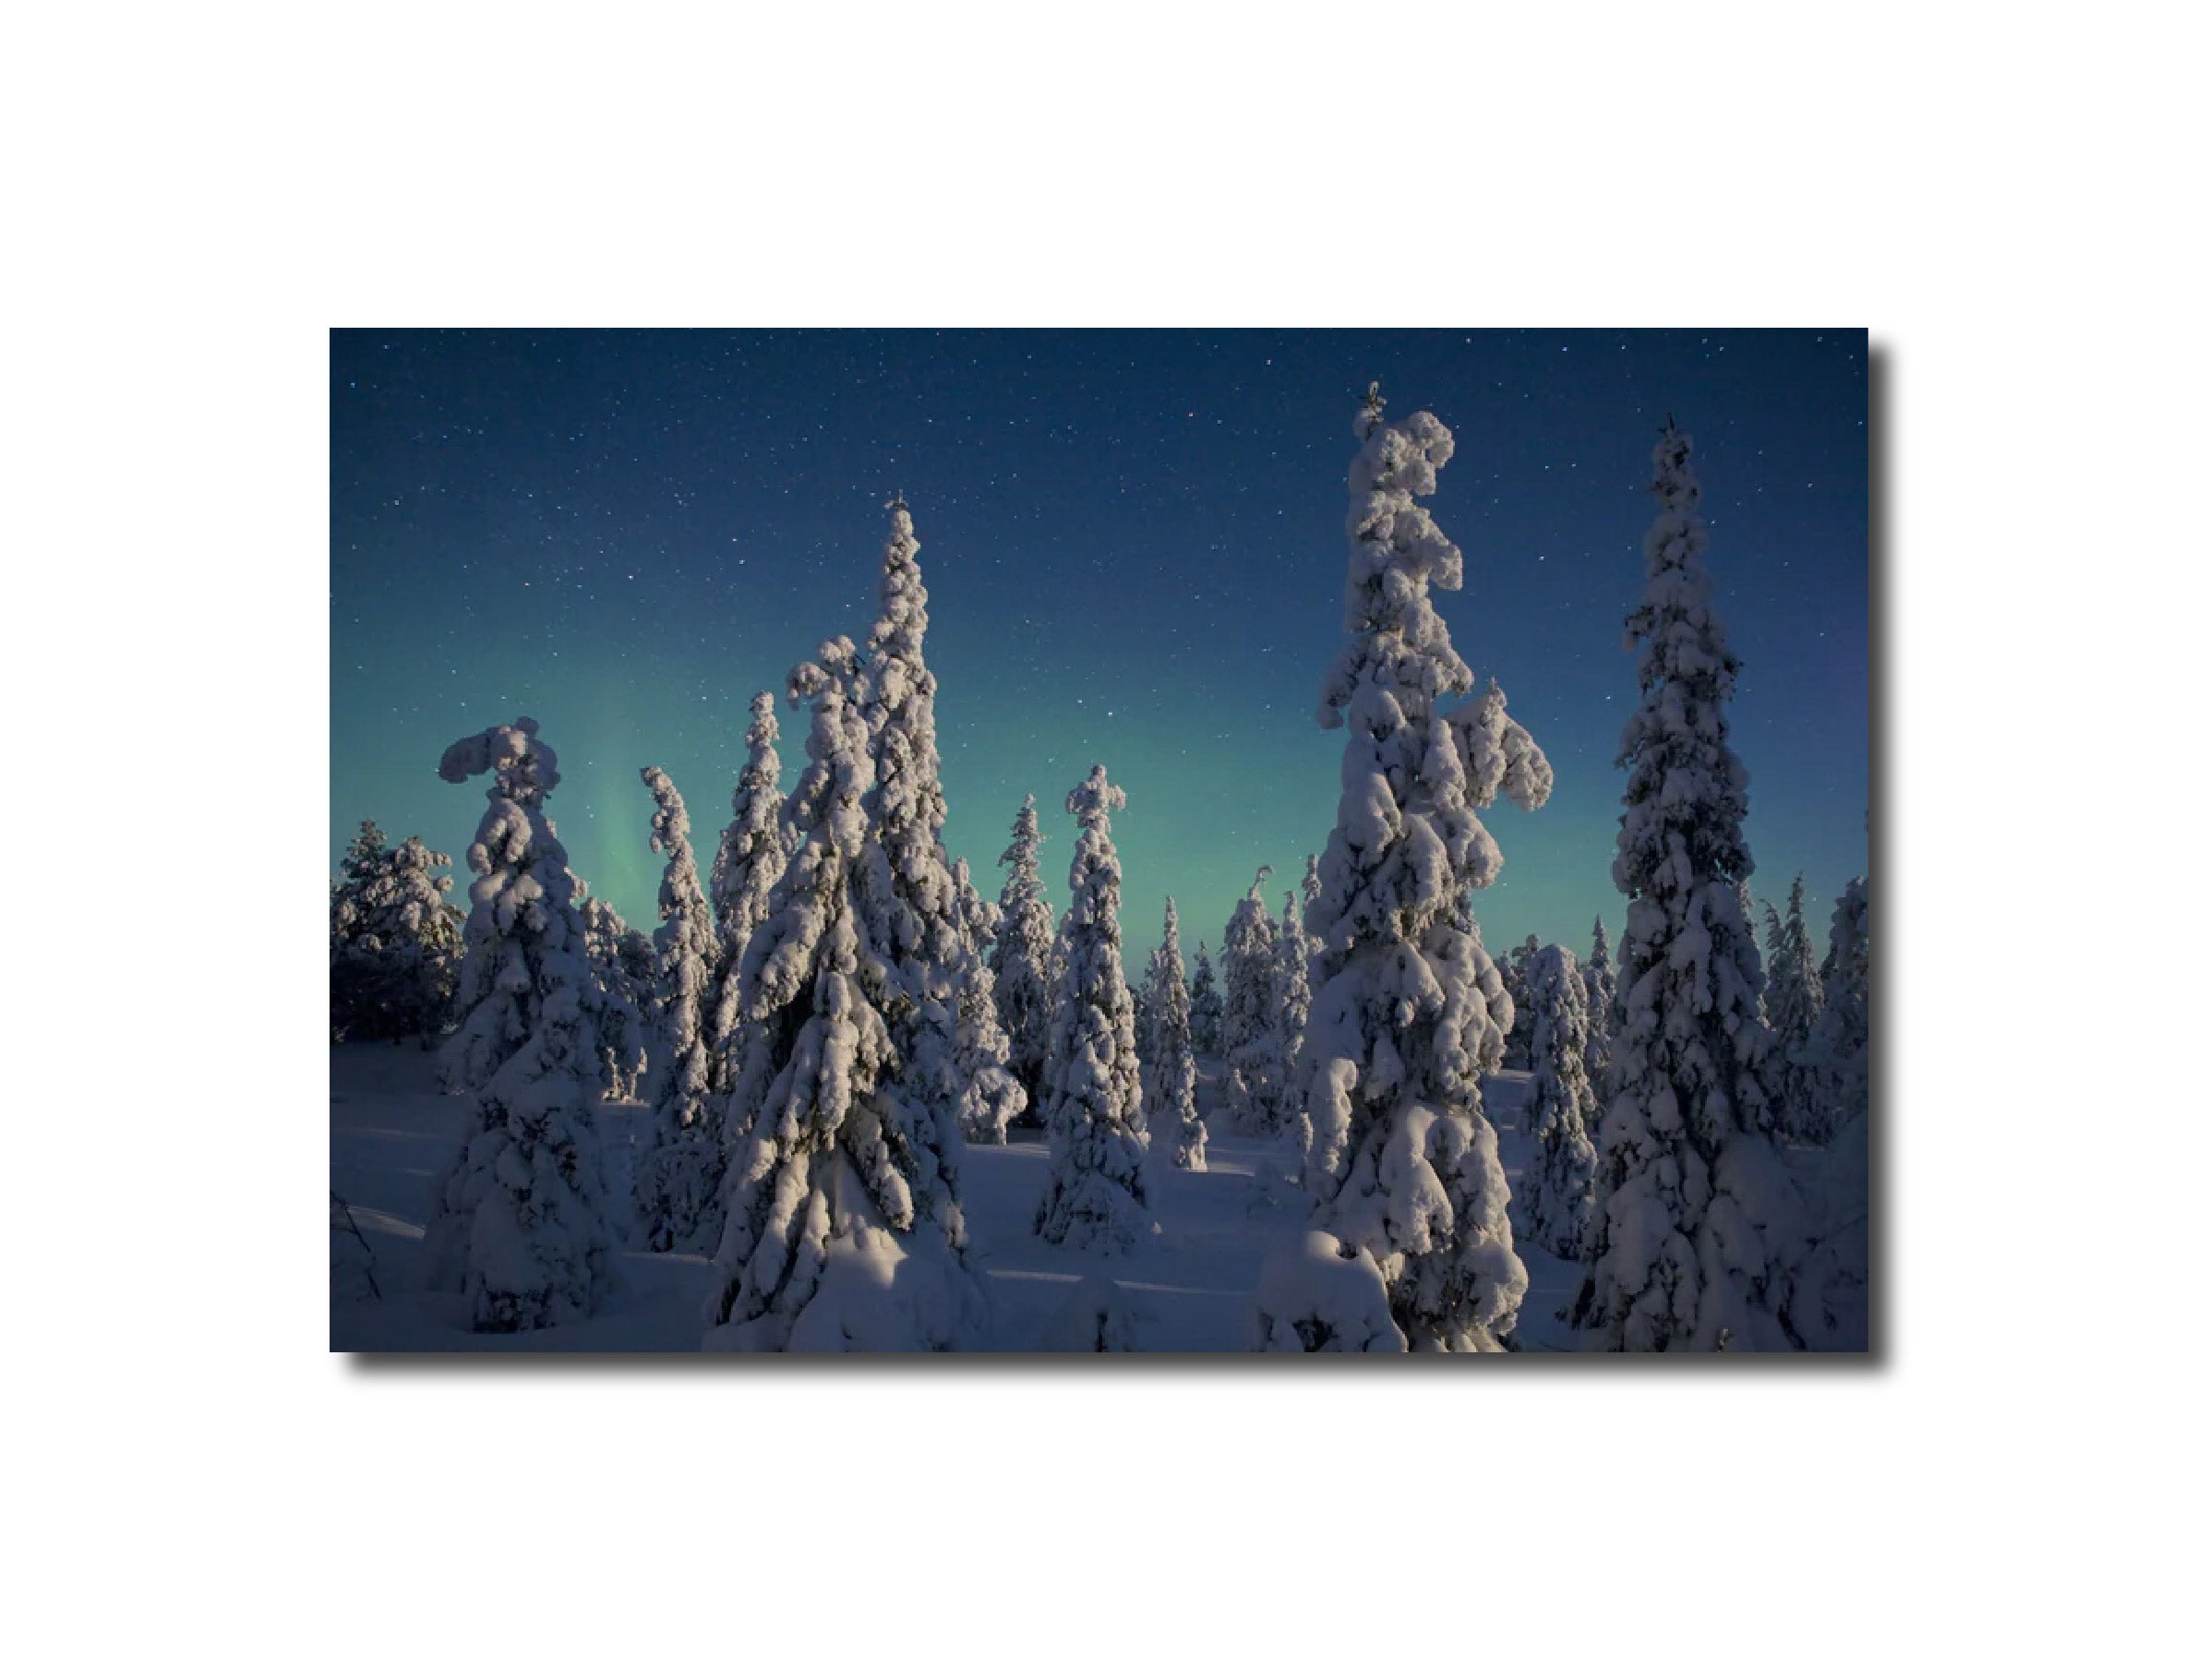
(1840, 1042)
(751, 849)
(1299, 1068)
(978, 919)
(1832, 1298)
(1793, 999)
(1766, 953)
(353, 976)
(1777, 963)
(906, 895)
(1248, 968)
(623, 960)
(1293, 1005)
(1171, 1092)
(1097, 1194)
(395, 942)
(1695, 1229)
(843, 1220)
(1408, 1012)
(1602, 987)
(1519, 1043)
(1206, 1006)
(1556, 1191)
(1147, 996)
(685, 952)
(491, 1023)
(518, 1225)
(987, 1099)
(1022, 962)
(751, 855)
(365, 859)
(1252, 1085)
(682, 1163)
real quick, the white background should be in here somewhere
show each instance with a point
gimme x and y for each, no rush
(196, 195)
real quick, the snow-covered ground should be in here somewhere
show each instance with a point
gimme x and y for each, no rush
(390, 1133)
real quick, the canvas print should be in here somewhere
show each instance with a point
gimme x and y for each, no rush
(1099, 841)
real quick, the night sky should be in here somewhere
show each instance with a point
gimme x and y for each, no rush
(1134, 544)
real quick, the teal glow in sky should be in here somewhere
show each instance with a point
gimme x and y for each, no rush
(1135, 549)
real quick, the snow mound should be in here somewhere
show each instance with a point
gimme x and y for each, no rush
(1098, 1319)
(1315, 1298)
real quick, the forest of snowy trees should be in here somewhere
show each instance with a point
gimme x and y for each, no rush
(828, 1021)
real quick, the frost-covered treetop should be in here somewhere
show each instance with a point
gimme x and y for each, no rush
(1023, 959)
(763, 721)
(687, 931)
(1396, 644)
(1092, 800)
(901, 688)
(978, 916)
(1020, 858)
(751, 850)
(826, 804)
(1411, 780)
(669, 833)
(1250, 914)
(1023, 894)
(915, 910)
(1686, 792)
(526, 767)
(902, 599)
(1093, 924)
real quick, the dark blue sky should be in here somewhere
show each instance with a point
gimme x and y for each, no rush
(1135, 547)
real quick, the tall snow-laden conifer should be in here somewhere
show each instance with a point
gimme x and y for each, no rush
(1097, 1194)
(519, 1225)
(1023, 960)
(624, 962)
(1252, 1084)
(1146, 995)
(1293, 1006)
(1841, 1043)
(987, 1096)
(395, 942)
(682, 1163)
(1556, 1191)
(1793, 999)
(364, 859)
(750, 849)
(1408, 1012)
(1247, 968)
(1519, 1043)
(1206, 1006)
(842, 1223)
(1171, 1091)
(1602, 987)
(1300, 1070)
(687, 951)
(1695, 1229)
(1831, 1299)
(905, 895)
(751, 855)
